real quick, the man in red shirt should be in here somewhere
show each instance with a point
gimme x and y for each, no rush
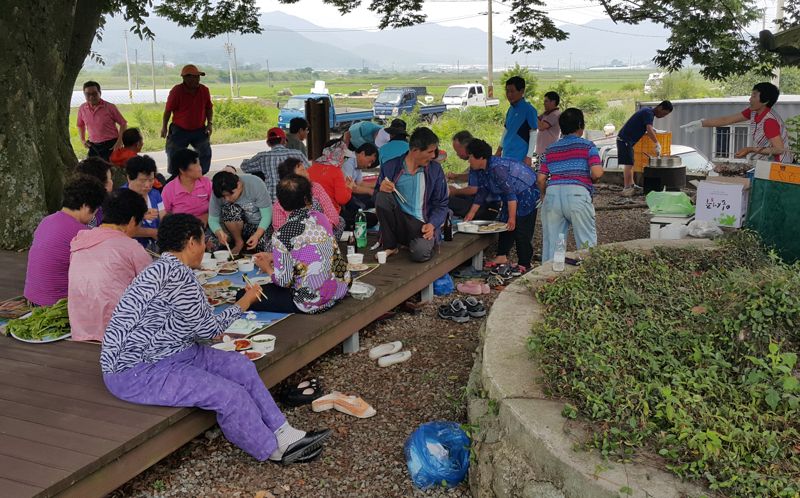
(189, 106)
(101, 118)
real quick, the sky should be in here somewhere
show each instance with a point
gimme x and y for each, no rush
(463, 13)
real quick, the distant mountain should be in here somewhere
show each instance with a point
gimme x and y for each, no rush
(290, 42)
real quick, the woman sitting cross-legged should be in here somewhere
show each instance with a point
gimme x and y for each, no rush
(103, 263)
(321, 201)
(151, 353)
(308, 272)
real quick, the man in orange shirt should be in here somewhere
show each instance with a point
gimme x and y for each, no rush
(189, 106)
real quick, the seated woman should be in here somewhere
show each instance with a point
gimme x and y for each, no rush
(151, 353)
(189, 191)
(240, 209)
(104, 261)
(321, 201)
(97, 167)
(327, 171)
(48, 258)
(141, 171)
(309, 274)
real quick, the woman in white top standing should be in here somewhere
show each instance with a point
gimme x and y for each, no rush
(768, 136)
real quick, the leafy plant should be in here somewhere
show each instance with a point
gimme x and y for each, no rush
(690, 354)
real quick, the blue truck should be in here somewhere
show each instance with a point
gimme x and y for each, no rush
(296, 108)
(396, 101)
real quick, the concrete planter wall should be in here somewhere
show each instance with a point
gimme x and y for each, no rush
(523, 446)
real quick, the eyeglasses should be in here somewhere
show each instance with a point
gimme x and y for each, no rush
(91, 94)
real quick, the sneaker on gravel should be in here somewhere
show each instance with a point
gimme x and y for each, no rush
(455, 311)
(475, 308)
(628, 192)
(518, 270)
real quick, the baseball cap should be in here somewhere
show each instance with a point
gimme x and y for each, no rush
(191, 69)
(276, 133)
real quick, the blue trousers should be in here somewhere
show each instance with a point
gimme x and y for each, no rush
(179, 139)
(565, 206)
(203, 377)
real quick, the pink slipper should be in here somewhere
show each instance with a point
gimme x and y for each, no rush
(472, 287)
(485, 288)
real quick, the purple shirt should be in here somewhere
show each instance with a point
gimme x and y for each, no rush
(46, 280)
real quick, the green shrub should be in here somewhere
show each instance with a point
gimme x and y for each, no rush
(688, 353)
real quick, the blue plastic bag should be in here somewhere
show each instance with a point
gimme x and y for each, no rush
(444, 285)
(437, 454)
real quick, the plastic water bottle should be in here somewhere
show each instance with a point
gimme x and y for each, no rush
(561, 253)
(361, 229)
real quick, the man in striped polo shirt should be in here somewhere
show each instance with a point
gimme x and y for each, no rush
(567, 171)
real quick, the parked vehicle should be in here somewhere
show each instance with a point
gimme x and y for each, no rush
(396, 101)
(693, 159)
(296, 107)
(653, 82)
(467, 95)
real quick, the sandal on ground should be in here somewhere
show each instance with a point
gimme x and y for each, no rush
(385, 349)
(305, 449)
(472, 287)
(304, 393)
(518, 270)
(391, 359)
(351, 405)
(495, 281)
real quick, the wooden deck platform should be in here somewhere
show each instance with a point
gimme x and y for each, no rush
(63, 434)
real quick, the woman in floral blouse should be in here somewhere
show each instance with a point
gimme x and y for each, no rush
(309, 274)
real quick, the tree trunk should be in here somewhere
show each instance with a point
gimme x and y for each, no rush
(45, 44)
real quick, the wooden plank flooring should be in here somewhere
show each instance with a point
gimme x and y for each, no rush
(63, 434)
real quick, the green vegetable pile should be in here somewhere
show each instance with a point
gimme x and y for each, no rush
(44, 323)
(688, 354)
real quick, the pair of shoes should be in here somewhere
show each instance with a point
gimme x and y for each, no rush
(467, 272)
(504, 271)
(307, 448)
(303, 393)
(460, 311)
(388, 354)
(474, 287)
(351, 405)
(495, 282)
(491, 264)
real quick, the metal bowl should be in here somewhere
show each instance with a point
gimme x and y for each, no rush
(665, 162)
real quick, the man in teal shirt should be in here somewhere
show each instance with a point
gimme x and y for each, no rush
(521, 127)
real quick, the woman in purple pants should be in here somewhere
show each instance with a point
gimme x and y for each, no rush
(151, 355)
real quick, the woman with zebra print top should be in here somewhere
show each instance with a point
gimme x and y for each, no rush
(151, 356)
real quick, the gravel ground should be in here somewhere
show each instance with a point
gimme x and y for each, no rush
(364, 458)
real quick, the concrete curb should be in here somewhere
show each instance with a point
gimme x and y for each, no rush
(523, 445)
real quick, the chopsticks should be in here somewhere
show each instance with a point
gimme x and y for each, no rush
(230, 254)
(152, 254)
(260, 292)
(400, 196)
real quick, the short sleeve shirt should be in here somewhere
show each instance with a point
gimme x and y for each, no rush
(178, 200)
(635, 128)
(550, 135)
(189, 109)
(102, 121)
(350, 170)
(772, 128)
(521, 119)
(254, 197)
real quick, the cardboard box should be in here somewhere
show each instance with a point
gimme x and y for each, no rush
(723, 200)
(778, 172)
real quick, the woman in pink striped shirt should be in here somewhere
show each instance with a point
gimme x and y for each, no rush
(46, 279)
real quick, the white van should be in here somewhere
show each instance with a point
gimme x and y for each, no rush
(467, 95)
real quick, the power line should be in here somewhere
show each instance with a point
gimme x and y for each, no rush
(608, 30)
(365, 28)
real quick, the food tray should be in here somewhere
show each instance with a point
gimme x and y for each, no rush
(483, 227)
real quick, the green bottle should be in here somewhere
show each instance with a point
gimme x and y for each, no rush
(361, 229)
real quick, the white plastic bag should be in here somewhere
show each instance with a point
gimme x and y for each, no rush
(704, 230)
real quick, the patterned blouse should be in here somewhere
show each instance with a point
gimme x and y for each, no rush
(308, 260)
(509, 180)
(163, 312)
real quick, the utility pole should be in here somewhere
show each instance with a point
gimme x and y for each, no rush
(128, 66)
(269, 81)
(490, 58)
(778, 18)
(153, 69)
(228, 50)
(136, 67)
(236, 71)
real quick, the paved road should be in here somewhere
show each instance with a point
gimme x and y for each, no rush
(222, 155)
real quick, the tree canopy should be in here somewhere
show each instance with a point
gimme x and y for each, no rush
(710, 33)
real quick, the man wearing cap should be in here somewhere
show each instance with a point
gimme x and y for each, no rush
(101, 118)
(265, 163)
(189, 105)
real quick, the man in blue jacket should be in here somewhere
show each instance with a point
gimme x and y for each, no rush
(411, 198)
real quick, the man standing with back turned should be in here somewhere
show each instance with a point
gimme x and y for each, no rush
(189, 105)
(632, 131)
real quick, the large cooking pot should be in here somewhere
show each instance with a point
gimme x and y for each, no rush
(665, 162)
